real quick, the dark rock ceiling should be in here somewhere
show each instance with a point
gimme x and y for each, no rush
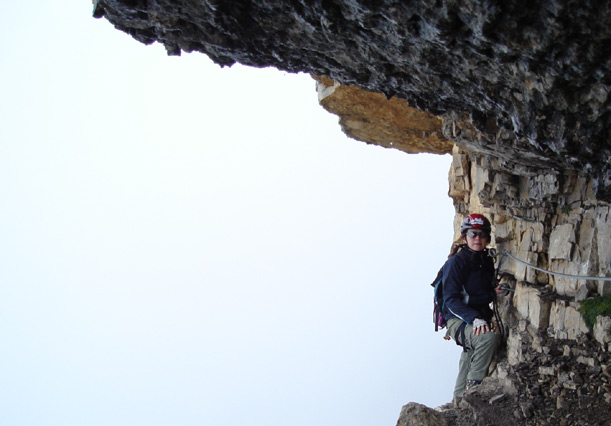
(528, 81)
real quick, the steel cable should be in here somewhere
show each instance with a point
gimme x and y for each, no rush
(577, 277)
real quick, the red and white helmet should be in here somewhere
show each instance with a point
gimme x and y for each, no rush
(477, 221)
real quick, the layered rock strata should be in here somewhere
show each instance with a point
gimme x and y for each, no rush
(553, 367)
(518, 92)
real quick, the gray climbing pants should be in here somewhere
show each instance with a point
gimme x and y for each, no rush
(474, 362)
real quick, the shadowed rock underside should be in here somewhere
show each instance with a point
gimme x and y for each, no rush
(530, 80)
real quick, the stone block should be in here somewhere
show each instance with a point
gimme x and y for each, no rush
(582, 293)
(503, 186)
(503, 230)
(566, 322)
(604, 288)
(525, 253)
(547, 371)
(514, 348)
(561, 242)
(531, 306)
(586, 360)
(567, 286)
(602, 330)
(569, 385)
(603, 236)
(414, 414)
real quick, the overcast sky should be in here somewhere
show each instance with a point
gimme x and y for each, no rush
(182, 244)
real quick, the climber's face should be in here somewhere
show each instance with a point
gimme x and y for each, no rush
(477, 240)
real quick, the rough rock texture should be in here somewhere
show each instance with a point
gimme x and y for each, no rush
(519, 93)
(526, 82)
(371, 118)
(414, 414)
(553, 370)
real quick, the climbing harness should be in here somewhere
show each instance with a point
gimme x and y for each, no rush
(499, 322)
(495, 305)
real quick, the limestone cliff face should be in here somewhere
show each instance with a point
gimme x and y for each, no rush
(553, 364)
(518, 93)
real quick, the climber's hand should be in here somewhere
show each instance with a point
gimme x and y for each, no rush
(480, 327)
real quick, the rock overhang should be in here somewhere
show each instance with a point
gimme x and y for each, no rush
(524, 82)
(517, 90)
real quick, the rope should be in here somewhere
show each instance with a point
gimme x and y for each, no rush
(499, 322)
(577, 277)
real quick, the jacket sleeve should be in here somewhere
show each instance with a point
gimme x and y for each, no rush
(454, 294)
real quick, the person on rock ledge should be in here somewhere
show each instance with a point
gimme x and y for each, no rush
(469, 287)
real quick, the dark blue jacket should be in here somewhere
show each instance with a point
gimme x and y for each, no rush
(468, 286)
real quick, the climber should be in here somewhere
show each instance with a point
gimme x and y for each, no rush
(469, 287)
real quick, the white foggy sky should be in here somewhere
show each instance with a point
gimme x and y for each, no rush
(182, 244)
